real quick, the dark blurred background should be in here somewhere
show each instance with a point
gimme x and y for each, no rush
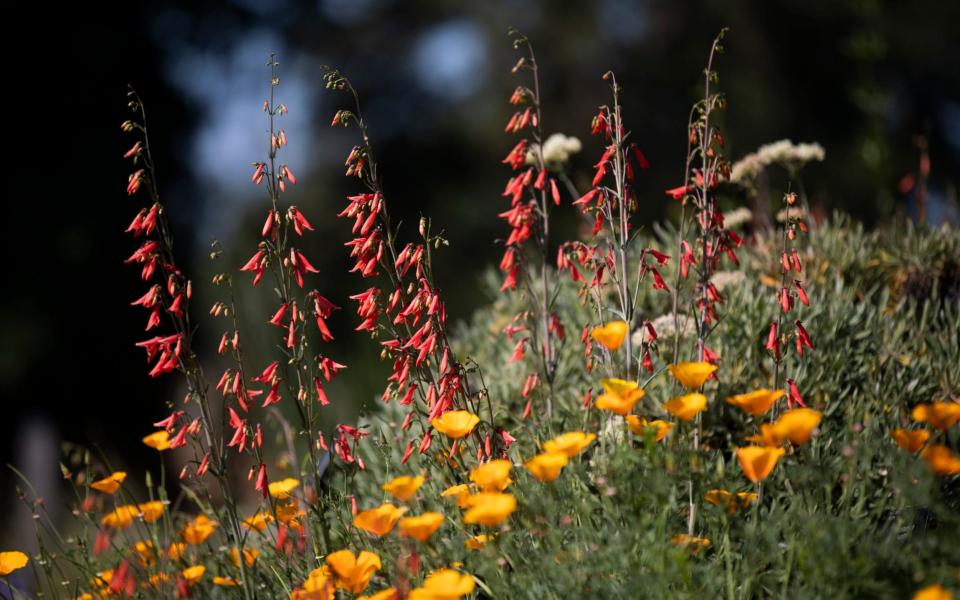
(861, 77)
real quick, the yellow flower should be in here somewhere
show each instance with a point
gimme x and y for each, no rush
(420, 527)
(941, 460)
(620, 396)
(942, 415)
(933, 592)
(258, 521)
(193, 574)
(686, 407)
(249, 556)
(121, 517)
(456, 424)
(733, 502)
(388, 594)
(547, 466)
(611, 335)
(404, 487)
(571, 443)
(198, 530)
(443, 584)
(493, 476)
(911, 441)
(692, 375)
(461, 492)
(756, 403)
(695, 545)
(640, 426)
(317, 586)
(758, 461)
(380, 520)
(225, 581)
(158, 440)
(109, 484)
(489, 508)
(353, 572)
(477, 542)
(797, 425)
(281, 489)
(12, 561)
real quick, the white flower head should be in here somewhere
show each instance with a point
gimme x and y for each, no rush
(557, 150)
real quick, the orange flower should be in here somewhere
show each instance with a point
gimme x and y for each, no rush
(695, 545)
(420, 527)
(686, 407)
(318, 586)
(477, 542)
(933, 592)
(620, 396)
(456, 424)
(353, 571)
(152, 511)
(758, 461)
(198, 530)
(461, 492)
(911, 441)
(121, 517)
(493, 476)
(225, 581)
(767, 436)
(570, 444)
(193, 574)
(733, 502)
(547, 466)
(489, 508)
(444, 584)
(611, 335)
(403, 488)
(942, 415)
(12, 561)
(797, 425)
(158, 440)
(109, 484)
(258, 521)
(756, 403)
(941, 460)
(249, 556)
(640, 427)
(692, 375)
(379, 521)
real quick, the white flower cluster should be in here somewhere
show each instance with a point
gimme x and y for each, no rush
(783, 152)
(737, 217)
(556, 150)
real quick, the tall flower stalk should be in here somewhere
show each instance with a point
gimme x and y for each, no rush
(531, 190)
(403, 307)
(169, 296)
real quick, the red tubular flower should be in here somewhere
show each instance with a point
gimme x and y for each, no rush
(802, 336)
(801, 293)
(261, 485)
(772, 338)
(678, 193)
(794, 397)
